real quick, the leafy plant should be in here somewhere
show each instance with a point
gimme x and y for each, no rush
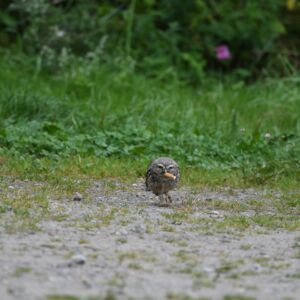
(93, 112)
(166, 39)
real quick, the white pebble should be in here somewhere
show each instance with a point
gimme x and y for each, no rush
(77, 197)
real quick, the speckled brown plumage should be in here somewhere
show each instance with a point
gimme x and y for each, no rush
(162, 176)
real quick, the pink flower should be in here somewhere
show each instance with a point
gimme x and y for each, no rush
(223, 52)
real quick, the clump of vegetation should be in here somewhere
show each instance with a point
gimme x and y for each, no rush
(111, 95)
(150, 36)
(253, 129)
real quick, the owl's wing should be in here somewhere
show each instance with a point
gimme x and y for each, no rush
(148, 178)
(178, 175)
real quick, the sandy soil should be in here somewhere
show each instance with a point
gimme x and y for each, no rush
(118, 244)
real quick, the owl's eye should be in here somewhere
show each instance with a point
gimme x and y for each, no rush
(171, 167)
(161, 166)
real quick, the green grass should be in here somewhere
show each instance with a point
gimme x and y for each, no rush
(135, 255)
(109, 296)
(62, 297)
(263, 220)
(242, 223)
(90, 123)
(105, 120)
(21, 270)
(183, 296)
(295, 275)
(228, 266)
(26, 208)
(28, 184)
(238, 297)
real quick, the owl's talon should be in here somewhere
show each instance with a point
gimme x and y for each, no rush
(168, 197)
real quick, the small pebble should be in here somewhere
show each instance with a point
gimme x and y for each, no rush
(139, 228)
(77, 197)
(225, 239)
(78, 259)
(86, 282)
(257, 267)
(122, 232)
(208, 269)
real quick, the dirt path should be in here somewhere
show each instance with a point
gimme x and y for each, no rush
(117, 244)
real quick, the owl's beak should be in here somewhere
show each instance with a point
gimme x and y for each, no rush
(169, 175)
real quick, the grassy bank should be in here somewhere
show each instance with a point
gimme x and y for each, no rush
(101, 115)
(87, 169)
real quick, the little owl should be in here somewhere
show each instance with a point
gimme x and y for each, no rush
(161, 177)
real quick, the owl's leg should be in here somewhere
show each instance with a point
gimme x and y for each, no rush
(161, 199)
(168, 198)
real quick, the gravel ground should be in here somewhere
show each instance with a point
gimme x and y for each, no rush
(117, 243)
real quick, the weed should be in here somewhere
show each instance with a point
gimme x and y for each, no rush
(28, 208)
(288, 222)
(294, 275)
(227, 266)
(62, 297)
(182, 243)
(134, 255)
(122, 240)
(238, 297)
(83, 241)
(182, 296)
(186, 256)
(201, 279)
(232, 206)
(267, 263)
(168, 228)
(176, 216)
(246, 246)
(60, 218)
(21, 270)
(135, 266)
(48, 246)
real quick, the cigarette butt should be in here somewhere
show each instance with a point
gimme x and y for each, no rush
(169, 175)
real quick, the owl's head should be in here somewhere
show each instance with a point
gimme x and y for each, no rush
(165, 170)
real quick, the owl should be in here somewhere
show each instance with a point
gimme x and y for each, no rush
(162, 176)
